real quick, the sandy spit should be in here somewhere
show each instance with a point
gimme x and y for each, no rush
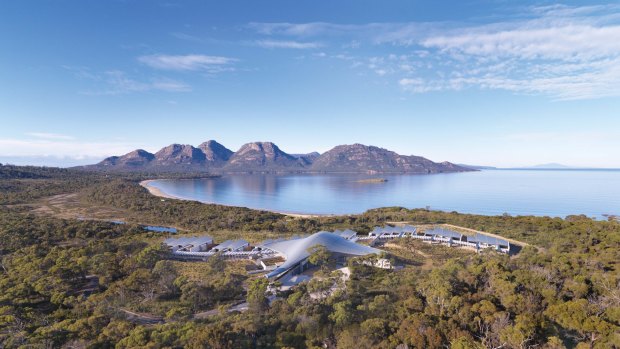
(155, 191)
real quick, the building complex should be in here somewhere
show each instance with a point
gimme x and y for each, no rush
(292, 254)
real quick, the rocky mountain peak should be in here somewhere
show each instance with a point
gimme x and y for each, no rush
(135, 158)
(260, 156)
(362, 158)
(265, 147)
(215, 152)
(140, 153)
(179, 154)
(211, 156)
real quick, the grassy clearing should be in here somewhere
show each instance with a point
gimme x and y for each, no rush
(416, 253)
(198, 271)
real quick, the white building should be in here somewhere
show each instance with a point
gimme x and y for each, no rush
(189, 244)
(347, 234)
(295, 252)
(231, 246)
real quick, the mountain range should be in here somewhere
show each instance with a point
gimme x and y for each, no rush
(213, 157)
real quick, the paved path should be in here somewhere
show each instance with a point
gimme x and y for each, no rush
(241, 307)
(142, 318)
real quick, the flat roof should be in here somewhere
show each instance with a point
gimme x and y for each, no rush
(409, 228)
(376, 230)
(237, 244)
(184, 241)
(231, 244)
(444, 232)
(489, 240)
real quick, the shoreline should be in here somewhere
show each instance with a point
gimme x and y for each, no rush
(157, 192)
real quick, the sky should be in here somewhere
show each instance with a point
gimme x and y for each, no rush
(499, 83)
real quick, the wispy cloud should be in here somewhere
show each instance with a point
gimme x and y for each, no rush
(119, 83)
(45, 135)
(564, 53)
(114, 82)
(354, 34)
(372, 31)
(558, 51)
(571, 61)
(570, 42)
(188, 37)
(287, 44)
(187, 62)
(293, 29)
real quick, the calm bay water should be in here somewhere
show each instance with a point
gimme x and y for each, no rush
(489, 192)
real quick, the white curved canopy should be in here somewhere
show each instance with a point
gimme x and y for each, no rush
(296, 250)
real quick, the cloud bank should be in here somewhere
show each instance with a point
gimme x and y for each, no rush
(67, 147)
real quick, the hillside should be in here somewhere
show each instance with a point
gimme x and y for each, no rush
(262, 156)
(82, 282)
(307, 159)
(215, 153)
(177, 154)
(212, 156)
(362, 158)
(136, 159)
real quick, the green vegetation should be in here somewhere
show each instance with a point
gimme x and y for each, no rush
(126, 194)
(319, 255)
(91, 284)
(23, 184)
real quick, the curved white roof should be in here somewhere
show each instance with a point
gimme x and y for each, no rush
(297, 250)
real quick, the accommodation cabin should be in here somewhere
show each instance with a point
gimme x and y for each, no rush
(189, 244)
(231, 246)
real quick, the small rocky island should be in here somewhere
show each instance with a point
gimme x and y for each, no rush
(373, 180)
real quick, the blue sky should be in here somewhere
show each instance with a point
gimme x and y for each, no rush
(480, 82)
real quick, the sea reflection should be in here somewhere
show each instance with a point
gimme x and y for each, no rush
(553, 193)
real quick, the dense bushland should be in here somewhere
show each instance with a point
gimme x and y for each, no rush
(78, 284)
